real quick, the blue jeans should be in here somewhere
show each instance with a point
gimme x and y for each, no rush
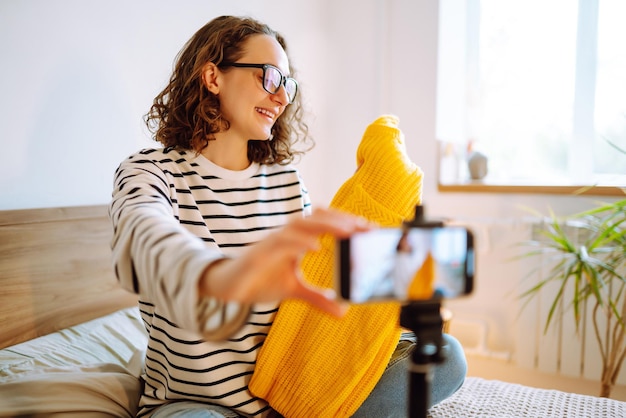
(390, 397)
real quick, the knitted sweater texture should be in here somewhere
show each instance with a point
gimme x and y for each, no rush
(315, 365)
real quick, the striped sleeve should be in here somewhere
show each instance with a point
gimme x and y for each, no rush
(157, 258)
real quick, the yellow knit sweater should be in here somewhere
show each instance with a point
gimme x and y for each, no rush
(312, 364)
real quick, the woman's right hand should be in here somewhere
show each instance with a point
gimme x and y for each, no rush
(270, 270)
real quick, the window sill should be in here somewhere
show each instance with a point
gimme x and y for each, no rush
(478, 186)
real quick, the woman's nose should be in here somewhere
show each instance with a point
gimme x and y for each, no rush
(281, 96)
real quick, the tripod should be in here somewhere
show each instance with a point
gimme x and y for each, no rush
(424, 319)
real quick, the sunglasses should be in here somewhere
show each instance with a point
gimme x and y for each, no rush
(273, 78)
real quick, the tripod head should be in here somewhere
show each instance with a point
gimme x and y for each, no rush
(420, 221)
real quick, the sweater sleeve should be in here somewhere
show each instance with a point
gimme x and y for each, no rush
(157, 258)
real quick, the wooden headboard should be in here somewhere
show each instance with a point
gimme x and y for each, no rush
(55, 271)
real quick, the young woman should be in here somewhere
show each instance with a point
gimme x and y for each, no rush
(210, 228)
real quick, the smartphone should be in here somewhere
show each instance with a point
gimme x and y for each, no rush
(405, 264)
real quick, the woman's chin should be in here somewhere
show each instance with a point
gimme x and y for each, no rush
(264, 137)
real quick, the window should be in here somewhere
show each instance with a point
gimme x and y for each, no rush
(538, 86)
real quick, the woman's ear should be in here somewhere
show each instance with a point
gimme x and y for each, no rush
(210, 76)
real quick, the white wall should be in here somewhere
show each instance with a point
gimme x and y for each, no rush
(77, 76)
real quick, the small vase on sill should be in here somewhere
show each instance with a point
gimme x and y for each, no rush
(477, 165)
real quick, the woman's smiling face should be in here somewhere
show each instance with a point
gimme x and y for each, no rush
(250, 109)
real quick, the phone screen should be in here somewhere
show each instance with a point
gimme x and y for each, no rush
(406, 264)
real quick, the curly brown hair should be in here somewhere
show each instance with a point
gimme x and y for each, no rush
(185, 115)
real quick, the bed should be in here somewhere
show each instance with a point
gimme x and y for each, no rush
(71, 340)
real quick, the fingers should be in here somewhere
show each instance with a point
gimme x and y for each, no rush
(303, 234)
(270, 269)
(334, 222)
(324, 221)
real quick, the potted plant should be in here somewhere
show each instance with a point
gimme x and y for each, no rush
(589, 271)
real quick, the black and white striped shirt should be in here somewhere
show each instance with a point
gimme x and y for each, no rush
(173, 213)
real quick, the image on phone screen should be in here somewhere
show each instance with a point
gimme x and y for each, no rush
(406, 264)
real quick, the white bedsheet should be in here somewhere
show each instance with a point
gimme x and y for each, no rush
(111, 339)
(89, 370)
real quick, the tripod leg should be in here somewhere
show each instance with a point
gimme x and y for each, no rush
(420, 381)
(424, 319)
